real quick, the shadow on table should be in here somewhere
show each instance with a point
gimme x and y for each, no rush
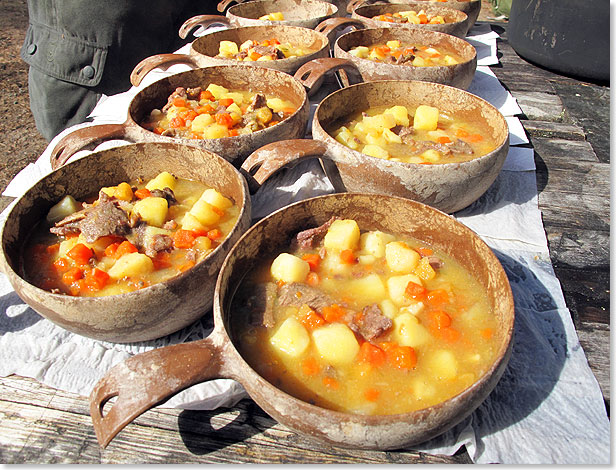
(15, 315)
(201, 436)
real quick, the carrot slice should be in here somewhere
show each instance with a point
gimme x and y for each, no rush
(80, 253)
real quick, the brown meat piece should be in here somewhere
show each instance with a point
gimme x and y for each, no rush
(180, 92)
(259, 101)
(435, 262)
(459, 146)
(166, 193)
(404, 58)
(269, 50)
(160, 242)
(259, 301)
(194, 93)
(371, 323)
(309, 238)
(297, 294)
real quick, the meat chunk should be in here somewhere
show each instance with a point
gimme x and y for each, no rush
(297, 294)
(180, 92)
(194, 93)
(158, 244)
(269, 51)
(459, 146)
(259, 101)
(371, 323)
(309, 238)
(404, 58)
(166, 193)
(95, 221)
(435, 262)
(259, 303)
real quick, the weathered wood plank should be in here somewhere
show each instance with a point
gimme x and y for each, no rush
(553, 130)
(540, 105)
(595, 340)
(43, 425)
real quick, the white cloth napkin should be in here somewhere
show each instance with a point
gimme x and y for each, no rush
(547, 408)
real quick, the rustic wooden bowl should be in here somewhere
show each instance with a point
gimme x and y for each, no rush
(147, 379)
(204, 49)
(458, 75)
(472, 8)
(448, 186)
(342, 5)
(144, 314)
(456, 21)
(233, 149)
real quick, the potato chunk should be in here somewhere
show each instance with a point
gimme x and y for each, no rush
(190, 222)
(201, 122)
(289, 268)
(162, 181)
(426, 118)
(374, 242)
(400, 114)
(131, 265)
(367, 290)
(409, 332)
(227, 48)
(396, 285)
(215, 131)
(204, 212)
(342, 235)
(217, 90)
(216, 199)
(400, 257)
(336, 343)
(67, 206)
(443, 364)
(291, 338)
(375, 151)
(153, 210)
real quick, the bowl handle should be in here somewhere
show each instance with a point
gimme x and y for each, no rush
(272, 157)
(145, 380)
(77, 140)
(330, 26)
(150, 63)
(312, 73)
(354, 4)
(225, 3)
(202, 20)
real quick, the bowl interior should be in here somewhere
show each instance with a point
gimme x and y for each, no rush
(293, 10)
(372, 212)
(300, 37)
(373, 36)
(412, 93)
(369, 11)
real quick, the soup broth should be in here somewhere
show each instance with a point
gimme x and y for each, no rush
(418, 55)
(366, 323)
(127, 237)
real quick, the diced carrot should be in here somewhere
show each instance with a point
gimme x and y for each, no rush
(424, 251)
(348, 257)
(206, 109)
(423, 19)
(371, 354)
(448, 334)
(162, 260)
(333, 313)
(77, 287)
(288, 110)
(72, 275)
(487, 333)
(310, 319)
(225, 102)
(214, 234)
(443, 140)
(96, 279)
(461, 133)
(439, 319)
(190, 115)
(401, 357)
(313, 259)
(330, 382)
(80, 253)
(183, 238)
(415, 291)
(177, 122)
(382, 50)
(310, 366)
(158, 130)
(254, 55)
(179, 102)
(224, 119)
(124, 248)
(111, 249)
(186, 266)
(280, 283)
(474, 138)
(397, 53)
(233, 132)
(437, 297)
(60, 265)
(142, 193)
(312, 279)
(206, 95)
(371, 394)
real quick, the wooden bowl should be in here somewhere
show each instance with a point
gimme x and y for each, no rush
(341, 5)
(147, 379)
(147, 313)
(448, 186)
(458, 75)
(204, 49)
(456, 21)
(472, 8)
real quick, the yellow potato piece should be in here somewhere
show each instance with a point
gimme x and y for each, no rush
(131, 265)
(289, 268)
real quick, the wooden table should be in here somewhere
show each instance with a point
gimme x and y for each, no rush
(568, 124)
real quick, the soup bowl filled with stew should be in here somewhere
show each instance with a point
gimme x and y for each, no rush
(409, 54)
(125, 245)
(471, 8)
(413, 15)
(280, 47)
(425, 141)
(361, 320)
